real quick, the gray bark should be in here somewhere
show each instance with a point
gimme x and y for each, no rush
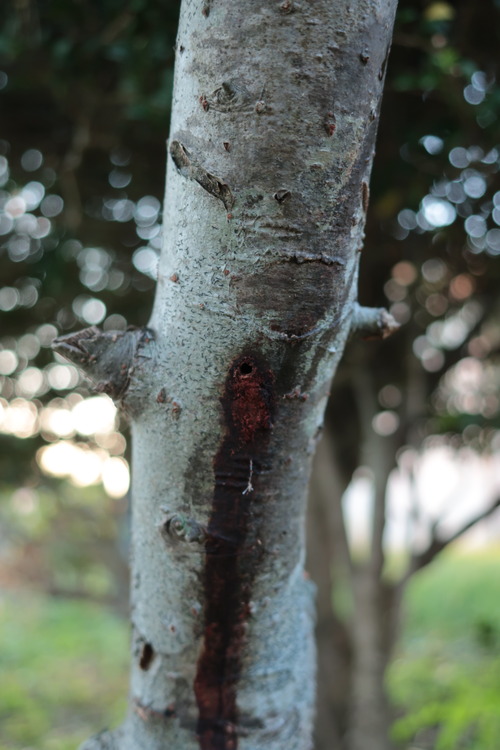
(270, 151)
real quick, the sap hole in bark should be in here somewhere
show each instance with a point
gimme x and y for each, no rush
(246, 368)
(147, 656)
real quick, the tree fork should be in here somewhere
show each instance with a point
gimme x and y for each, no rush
(271, 146)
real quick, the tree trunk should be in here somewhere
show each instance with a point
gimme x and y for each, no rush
(271, 145)
(370, 719)
(329, 564)
(352, 707)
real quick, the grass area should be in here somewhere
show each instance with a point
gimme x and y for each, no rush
(63, 669)
(455, 596)
(445, 679)
(63, 664)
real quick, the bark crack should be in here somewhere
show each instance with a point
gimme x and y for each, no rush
(303, 257)
(192, 170)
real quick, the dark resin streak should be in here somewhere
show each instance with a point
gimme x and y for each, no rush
(232, 549)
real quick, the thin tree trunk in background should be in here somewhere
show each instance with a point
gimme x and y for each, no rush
(328, 557)
(370, 719)
(271, 144)
(369, 722)
(354, 646)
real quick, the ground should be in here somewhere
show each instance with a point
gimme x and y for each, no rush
(64, 663)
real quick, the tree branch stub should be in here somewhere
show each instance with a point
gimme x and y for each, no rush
(373, 322)
(107, 358)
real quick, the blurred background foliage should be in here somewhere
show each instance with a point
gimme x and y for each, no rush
(84, 110)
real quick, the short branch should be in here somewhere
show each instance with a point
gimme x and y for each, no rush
(373, 322)
(105, 357)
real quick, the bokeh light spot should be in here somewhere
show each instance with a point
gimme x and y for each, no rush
(31, 160)
(385, 423)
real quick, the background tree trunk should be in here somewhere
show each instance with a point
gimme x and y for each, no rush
(329, 563)
(271, 145)
(357, 632)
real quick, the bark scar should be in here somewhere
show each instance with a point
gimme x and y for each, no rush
(192, 170)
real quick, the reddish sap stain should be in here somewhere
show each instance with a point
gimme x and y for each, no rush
(232, 557)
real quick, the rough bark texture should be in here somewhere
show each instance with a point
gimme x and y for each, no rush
(271, 144)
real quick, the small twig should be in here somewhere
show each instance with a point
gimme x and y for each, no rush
(437, 545)
(373, 322)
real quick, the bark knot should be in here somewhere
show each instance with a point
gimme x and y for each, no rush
(182, 528)
(230, 96)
